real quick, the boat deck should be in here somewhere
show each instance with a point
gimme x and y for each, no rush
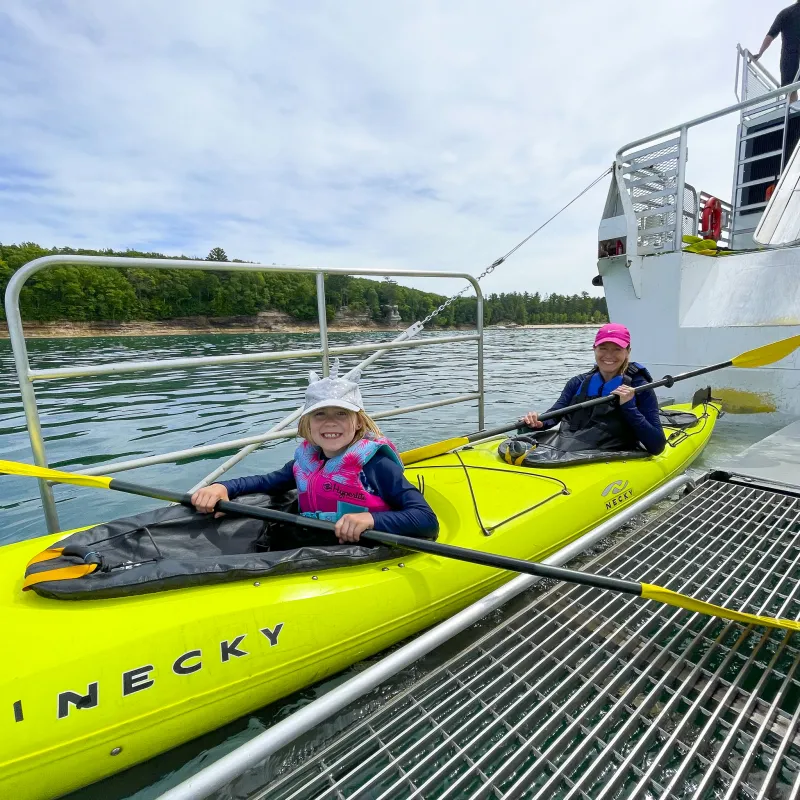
(584, 693)
(774, 460)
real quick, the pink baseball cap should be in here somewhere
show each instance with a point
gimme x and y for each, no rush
(618, 334)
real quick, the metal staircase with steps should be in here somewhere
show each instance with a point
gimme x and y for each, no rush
(766, 137)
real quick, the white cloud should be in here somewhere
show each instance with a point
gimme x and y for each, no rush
(418, 134)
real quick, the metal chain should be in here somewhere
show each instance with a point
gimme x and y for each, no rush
(495, 264)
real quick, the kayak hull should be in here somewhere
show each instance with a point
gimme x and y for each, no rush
(96, 686)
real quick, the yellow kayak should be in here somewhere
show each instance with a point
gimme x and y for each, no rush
(92, 687)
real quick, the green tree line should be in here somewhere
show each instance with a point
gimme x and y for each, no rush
(88, 293)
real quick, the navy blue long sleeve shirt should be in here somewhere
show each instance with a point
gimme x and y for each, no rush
(641, 413)
(410, 514)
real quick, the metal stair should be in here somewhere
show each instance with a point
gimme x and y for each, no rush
(766, 136)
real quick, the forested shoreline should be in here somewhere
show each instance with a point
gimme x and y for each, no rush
(86, 294)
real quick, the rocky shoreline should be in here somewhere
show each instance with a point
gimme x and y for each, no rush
(265, 322)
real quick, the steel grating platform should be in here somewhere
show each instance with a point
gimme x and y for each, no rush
(585, 693)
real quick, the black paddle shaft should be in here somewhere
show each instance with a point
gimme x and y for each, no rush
(394, 540)
(667, 380)
(435, 548)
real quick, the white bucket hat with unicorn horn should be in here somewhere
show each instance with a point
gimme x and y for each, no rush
(333, 391)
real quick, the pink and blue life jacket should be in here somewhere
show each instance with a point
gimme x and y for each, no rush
(329, 488)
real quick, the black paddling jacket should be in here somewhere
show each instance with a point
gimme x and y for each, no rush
(610, 427)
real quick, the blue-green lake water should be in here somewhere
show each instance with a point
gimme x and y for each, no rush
(93, 421)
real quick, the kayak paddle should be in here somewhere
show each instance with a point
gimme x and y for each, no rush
(759, 357)
(645, 590)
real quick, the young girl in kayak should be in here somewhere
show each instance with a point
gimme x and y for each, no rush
(345, 471)
(623, 425)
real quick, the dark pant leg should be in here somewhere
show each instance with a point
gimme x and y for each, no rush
(790, 63)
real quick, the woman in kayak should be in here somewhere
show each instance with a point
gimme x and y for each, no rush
(622, 425)
(345, 471)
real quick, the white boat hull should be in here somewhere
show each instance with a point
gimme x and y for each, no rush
(687, 310)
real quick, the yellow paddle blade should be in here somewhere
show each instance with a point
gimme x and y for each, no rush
(768, 354)
(431, 450)
(32, 471)
(650, 592)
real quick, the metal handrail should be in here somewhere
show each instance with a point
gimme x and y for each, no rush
(743, 54)
(122, 367)
(792, 87)
(270, 436)
(683, 132)
(27, 376)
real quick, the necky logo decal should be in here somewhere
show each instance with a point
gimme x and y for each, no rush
(139, 678)
(617, 493)
(615, 487)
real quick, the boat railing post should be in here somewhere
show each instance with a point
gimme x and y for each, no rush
(680, 187)
(739, 55)
(479, 323)
(322, 313)
(786, 110)
(694, 216)
(29, 405)
(737, 169)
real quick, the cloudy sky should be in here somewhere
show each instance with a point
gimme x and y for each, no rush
(430, 134)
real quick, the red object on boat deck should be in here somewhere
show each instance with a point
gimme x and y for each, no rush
(711, 220)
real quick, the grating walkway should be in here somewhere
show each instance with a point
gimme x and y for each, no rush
(586, 693)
